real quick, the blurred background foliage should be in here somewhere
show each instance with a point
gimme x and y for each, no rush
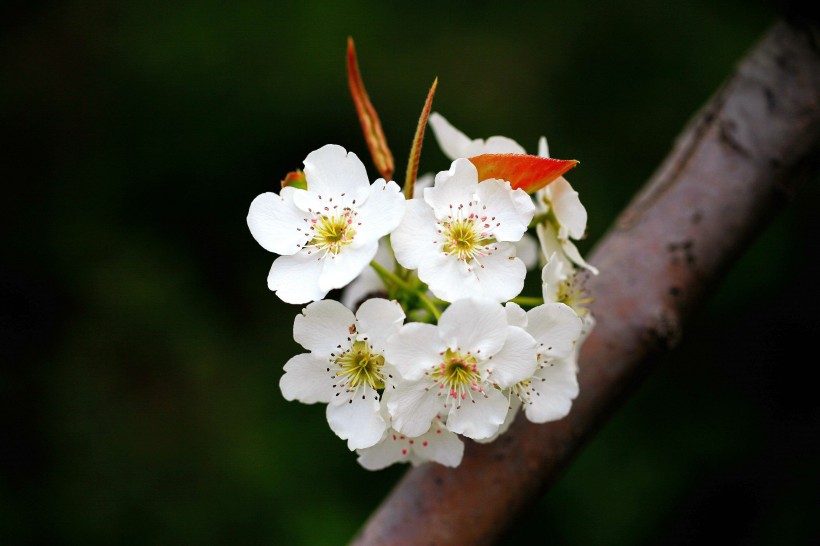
(141, 349)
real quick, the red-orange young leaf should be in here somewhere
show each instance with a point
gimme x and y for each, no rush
(296, 179)
(527, 172)
(371, 126)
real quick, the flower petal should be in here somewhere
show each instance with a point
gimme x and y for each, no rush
(480, 417)
(555, 387)
(415, 236)
(439, 445)
(277, 224)
(515, 361)
(502, 275)
(556, 327)
(338, 270)
(475, 325)
(516, 316)
(526, 249)
(448, 277)
(568, 209)
(332, 171)
(512, 209)
(323, 326)
(456, 144)
(381, 213)
(378, 319)
(453, 188)
(413, 407)
(358, 421)
(295, 279)
(307, 380)
(414, 349)
(383, 454)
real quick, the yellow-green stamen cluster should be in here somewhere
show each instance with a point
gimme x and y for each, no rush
(457, 374)
(463, 239)
(360, 366)
(332, 233)
(574, 293)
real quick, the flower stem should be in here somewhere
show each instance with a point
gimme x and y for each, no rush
(390, 277)
(528, 301)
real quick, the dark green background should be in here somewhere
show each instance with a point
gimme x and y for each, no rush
(141, 349)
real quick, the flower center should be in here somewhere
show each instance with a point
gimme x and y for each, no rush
(574, 293)
(458, 373)
(463, 239)
(360, 366)
(332, 233)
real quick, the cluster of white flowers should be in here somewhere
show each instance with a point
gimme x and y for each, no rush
(432, 342)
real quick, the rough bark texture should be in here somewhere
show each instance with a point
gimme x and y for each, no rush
(730, 170)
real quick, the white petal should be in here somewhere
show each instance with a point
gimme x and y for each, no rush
(479, 418)
(551, 245)
(295, 279)
(456, 144)
(439, 445)
(382, 212)
(502, 277)
(448, 277)
(500, 145)
(358, 420)
(552, 275)
(378, 319)
(515, 361)
(571, 252)
(526, 249)
(383, 454)
(452, 142)
(368, 282)
(568, 209)
(475, 325)
(412, 407)
(453, 188)
(331, 171)
(307, 380)
(339, 270)
(516, 316)
(515, 405)
(415, 236)
(273, 221)
(555, 326)
(543, 148)
(414, 349)
(512, 209)
(322, 326)
(555, 387)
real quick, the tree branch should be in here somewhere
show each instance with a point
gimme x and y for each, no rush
(732, 168)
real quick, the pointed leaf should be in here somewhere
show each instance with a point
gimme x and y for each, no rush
(527, 172)
(296, 179)
(415, 149)
(371, 126)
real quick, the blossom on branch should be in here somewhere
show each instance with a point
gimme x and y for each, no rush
(461, 236)
(328, 233)
(457, 369)
(345, 367)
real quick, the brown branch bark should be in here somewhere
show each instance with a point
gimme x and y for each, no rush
(731, 169)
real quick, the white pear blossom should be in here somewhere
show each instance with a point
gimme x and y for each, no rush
(455, 369)
(456, 144)
(437, 445)
(461, 236)
(566, 217)
(547, 395)
(345, 367)
(327, 234)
